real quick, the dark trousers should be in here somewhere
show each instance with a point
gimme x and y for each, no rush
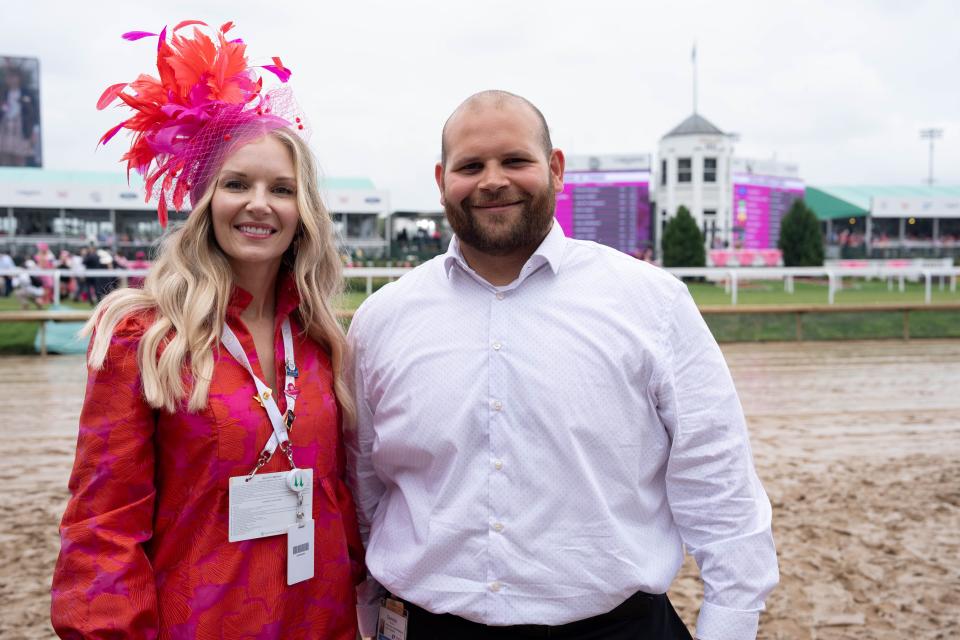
(641, 617)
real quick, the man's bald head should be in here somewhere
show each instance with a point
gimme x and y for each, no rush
(495, 98)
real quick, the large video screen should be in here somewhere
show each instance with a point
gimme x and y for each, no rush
(759, 203)
(608, 207)
(20, 112)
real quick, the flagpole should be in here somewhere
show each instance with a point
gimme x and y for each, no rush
(694, 60)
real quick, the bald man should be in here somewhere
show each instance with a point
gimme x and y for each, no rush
(544, 424)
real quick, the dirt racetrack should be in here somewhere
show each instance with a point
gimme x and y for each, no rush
(857, 443)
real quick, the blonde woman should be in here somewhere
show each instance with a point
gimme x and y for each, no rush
(207, 493)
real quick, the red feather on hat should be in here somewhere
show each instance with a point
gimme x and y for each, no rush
(205, 91)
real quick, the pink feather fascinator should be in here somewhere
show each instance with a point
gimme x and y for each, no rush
(206, 102)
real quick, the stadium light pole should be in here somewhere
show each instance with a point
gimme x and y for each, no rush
(931, 135)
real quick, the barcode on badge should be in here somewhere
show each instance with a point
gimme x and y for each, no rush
(301, 548)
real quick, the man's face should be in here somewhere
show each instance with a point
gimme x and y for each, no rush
(498, 187)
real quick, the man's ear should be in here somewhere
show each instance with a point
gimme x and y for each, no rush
(557, 164)
(438, 174)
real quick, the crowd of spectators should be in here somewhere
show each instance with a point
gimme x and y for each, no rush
(39, 289)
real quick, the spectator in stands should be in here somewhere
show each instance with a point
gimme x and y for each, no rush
(229, 354)
(46, 260)
(6, 263)
(27, 288)
(544, 424)
(91, 285)
(139, 262)
(68, 283)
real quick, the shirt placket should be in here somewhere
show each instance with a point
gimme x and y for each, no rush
(498, 464)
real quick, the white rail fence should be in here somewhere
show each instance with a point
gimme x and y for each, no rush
(731, 277)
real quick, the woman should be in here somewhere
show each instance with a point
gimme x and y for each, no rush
(180, 412)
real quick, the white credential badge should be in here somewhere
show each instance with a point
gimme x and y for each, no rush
(271, 504)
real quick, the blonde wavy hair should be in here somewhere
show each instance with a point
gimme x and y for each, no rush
(188, 289)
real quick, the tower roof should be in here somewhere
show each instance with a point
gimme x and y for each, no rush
(694, 125)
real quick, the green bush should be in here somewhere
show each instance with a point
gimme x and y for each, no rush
(800, 239)
(682, 243)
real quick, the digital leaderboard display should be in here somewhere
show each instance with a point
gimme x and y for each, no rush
(608, 207)
(759, 204)
(20, 112)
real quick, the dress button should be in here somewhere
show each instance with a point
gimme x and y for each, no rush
(497, 527)
(494, 586)
(499, 296)
(498, 464)
(497, 405)
(496, 346)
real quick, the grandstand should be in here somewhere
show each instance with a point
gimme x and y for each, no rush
(71, 209)
(891, 221)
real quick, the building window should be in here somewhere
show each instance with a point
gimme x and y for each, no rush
(684, 170)
(709, 169)
(663, 171)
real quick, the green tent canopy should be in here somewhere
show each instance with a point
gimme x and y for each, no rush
(830, 203)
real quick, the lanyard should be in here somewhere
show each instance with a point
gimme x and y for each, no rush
(265, 395)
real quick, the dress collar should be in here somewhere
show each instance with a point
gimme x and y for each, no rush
(288, 297)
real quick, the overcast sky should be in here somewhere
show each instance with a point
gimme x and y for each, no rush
(841, 88)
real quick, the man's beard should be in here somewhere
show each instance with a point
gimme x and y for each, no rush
(526, 231)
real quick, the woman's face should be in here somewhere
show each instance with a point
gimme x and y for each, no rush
(254, 207)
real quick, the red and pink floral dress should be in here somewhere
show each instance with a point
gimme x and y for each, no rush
(144, 550)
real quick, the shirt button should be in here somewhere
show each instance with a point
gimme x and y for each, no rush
(499, 296)
(495, 586)
(496, 346)
(497, 405)
(498, 464)
(498, 527)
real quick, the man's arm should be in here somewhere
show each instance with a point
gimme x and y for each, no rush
(364, 483)
(716, 498)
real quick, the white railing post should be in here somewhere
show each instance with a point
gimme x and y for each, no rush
(928, 277)
(831, 286)
(56, 287)
(733, 287)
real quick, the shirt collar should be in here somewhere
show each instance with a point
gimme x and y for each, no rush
(550, 252)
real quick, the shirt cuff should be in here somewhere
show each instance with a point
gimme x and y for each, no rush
(721, 623)
(367, 615)
(369, 593)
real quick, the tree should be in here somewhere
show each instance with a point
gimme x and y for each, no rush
(800, 238)
(682, 242)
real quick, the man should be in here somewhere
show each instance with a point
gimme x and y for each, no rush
(544, 423)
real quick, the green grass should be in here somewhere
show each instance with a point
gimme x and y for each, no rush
(19, 337)
(833, 326)
(15, 337)
(807, 292)
(828, 326)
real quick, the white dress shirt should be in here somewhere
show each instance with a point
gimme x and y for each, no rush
(538, 452)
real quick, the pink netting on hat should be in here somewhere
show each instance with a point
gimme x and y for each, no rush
(206, 103)
(204, 146)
